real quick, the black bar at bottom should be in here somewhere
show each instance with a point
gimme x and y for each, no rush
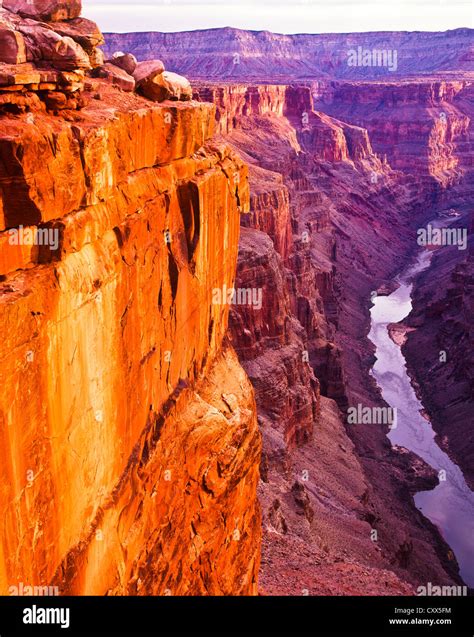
(161, 615)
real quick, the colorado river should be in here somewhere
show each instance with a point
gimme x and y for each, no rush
(450, 506)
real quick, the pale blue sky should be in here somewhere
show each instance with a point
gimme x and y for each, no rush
(294, 16)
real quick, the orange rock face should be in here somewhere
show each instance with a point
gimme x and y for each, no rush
(78, 162)
(128, 428)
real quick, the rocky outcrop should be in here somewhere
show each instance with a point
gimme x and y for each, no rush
(43, 65)
(46, 50)
(45, 9)
(241, 100)
(272, 345)
(85, 32)
(128, 427)
(270, 209)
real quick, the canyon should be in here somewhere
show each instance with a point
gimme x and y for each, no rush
(344, 172)
(352, 219)
(157, 442)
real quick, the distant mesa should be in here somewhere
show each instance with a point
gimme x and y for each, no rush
(234, 54)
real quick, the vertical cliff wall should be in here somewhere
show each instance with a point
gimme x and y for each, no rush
(130, 447)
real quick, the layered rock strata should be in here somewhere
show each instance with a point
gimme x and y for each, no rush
(234, 55)
(129, 435)
(419, 125)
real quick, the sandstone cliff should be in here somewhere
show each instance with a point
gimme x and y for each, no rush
(128, 428)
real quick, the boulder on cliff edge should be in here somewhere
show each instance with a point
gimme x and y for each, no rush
(146, 71)
(167, 86)
(84, 32)
(48, 10)
(117, 76)
(125, 61)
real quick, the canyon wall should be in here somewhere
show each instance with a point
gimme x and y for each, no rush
(228, 54)
(426, 130)
(128, 427)
(419, 125)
